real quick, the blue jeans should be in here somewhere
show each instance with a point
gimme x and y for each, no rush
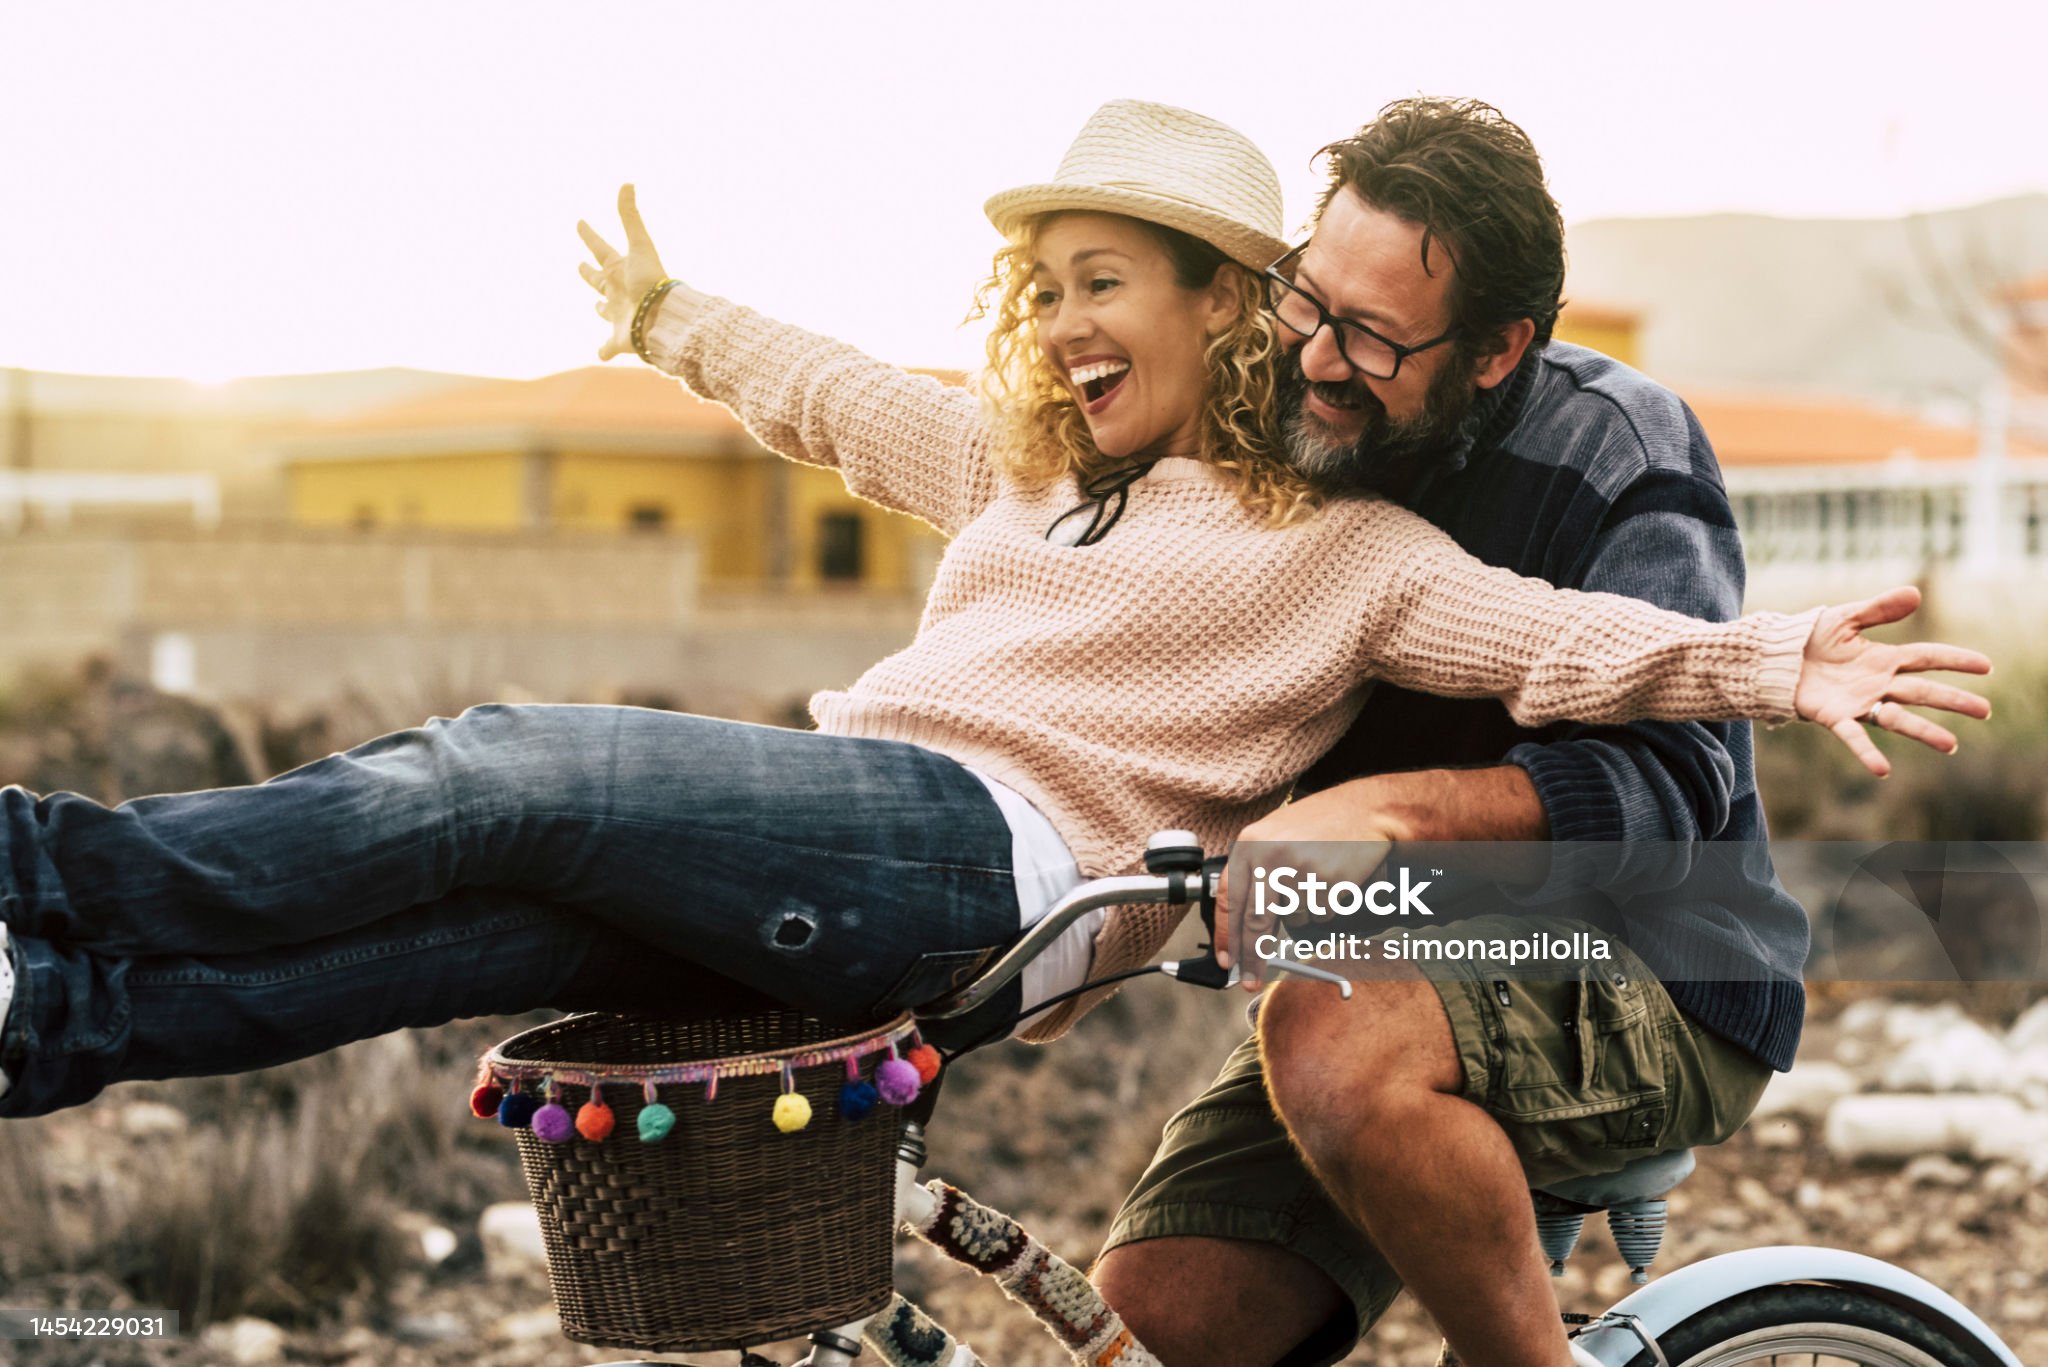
(515, 857)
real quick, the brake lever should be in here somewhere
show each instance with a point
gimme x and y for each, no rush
(1203, 971)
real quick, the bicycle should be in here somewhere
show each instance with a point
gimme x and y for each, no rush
(1754, 1305)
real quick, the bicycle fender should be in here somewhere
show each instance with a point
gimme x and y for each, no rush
(1679, 1295)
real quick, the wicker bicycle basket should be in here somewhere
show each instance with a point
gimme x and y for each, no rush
(727, 1232)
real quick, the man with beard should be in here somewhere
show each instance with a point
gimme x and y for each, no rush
(1349, 1148)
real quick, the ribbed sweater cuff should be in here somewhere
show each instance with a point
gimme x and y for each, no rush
(1576, 790)
(672, 331)
(1781, 649)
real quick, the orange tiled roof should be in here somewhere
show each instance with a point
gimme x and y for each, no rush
(1762, 430)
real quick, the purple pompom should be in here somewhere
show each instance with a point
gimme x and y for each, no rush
(898, 1082)
(553, 1123)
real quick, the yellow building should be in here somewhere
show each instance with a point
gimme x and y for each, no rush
(597, 449)
(1606, 329)
(621, 448)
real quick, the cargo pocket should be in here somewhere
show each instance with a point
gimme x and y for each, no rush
(1622, 1052)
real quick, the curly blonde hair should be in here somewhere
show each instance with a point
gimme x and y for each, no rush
(1041, 433)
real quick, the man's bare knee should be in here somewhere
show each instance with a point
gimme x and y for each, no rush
(1334, 1068)
(1198, 1302)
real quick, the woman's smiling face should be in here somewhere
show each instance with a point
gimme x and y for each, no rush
(1127, 337)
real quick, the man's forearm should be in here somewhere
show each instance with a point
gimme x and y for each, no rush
(1499, 803)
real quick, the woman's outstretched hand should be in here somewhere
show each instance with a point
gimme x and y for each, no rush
(1849, 681)
(623, 280)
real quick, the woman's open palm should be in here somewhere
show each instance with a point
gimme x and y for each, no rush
(622, 279)
(1849, 681)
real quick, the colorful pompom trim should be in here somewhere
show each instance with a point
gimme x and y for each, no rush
(594, 1120)
(522, 1095)
(553, 1123)
(656, 1120)
(897, 1080)
(856, 1098)
(792, 1112)
(792, 1108)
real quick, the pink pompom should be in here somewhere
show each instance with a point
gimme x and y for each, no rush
(553, 1123)
(898, 1082)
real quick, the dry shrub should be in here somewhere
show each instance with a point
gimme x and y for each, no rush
(277, 1201)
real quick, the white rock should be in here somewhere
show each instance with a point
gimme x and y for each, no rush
(2003, 1181)
(434, 1326)
(431, 1242)
(2022, 1141)
(2028, 1064)
(510, 1231)
(1864, 1017)
(1961, 1056)
(1905, 1023)
(2030, 1029)
(1807, 1091)
(1937, 1170)
(528, 1326)
(246, 1342)
(438, 1243)
(151, 1120)
(1892, 1126)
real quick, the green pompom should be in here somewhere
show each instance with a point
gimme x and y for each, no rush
(655, 1122)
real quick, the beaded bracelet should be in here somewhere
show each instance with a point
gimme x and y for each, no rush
(647, 303)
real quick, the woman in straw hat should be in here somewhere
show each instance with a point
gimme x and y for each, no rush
(1145, 619)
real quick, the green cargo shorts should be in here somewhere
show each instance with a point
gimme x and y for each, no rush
(1583, 1075)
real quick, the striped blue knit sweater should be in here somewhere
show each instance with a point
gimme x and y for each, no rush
(1583, 472)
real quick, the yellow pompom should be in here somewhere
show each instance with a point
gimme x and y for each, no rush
(792, 1112)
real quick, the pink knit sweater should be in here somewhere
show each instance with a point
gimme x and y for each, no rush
(1183, 671)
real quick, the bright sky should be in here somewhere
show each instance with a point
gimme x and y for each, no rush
(217, 189)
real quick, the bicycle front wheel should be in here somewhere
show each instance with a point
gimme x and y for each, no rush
(1825, 1326)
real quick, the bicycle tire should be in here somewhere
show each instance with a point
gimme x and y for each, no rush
(1836, 1323)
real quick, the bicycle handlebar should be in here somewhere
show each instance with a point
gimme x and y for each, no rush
(1181, 878)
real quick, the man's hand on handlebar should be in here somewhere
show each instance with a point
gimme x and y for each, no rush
(1349, 840)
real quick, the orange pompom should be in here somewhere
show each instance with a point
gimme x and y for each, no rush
(594, 1120)
(925, 1059)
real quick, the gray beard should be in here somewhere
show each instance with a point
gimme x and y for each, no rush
(1388, 454)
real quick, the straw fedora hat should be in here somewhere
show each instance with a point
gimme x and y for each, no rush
(1164, 165)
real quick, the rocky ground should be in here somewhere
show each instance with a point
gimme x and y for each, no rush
(447, 1293)
(333, 1213)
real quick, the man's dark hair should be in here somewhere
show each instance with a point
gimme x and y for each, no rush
(1474, 182)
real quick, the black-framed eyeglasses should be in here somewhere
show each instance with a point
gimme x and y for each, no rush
(1088, 521)
(1364, 350)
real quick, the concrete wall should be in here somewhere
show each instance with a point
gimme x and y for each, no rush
(305, 615)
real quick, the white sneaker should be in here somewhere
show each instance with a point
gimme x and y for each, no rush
(6, 996)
